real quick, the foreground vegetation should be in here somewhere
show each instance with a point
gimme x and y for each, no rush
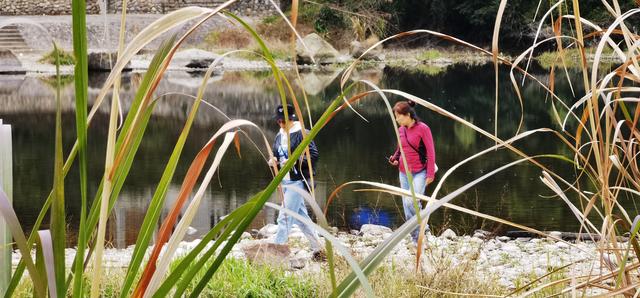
(600, 130)
(235, 279)
(239, 278)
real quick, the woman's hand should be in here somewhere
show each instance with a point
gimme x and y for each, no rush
(392, 161)
(429, 180)
(272, 162)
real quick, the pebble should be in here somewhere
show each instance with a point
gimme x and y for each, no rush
(503, 238)
(448, 234)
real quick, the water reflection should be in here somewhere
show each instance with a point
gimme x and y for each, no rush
(350, 148)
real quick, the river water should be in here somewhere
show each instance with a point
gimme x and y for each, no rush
(351, 148)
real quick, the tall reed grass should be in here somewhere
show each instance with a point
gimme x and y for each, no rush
(604, 145)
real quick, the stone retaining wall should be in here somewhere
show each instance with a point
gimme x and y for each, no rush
(45, 7)
(63, 7)
(136, 6)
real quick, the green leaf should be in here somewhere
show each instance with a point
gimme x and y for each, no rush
(12, 222)
(81, 77)
(180, 271)
(58, 222)
(157, 202)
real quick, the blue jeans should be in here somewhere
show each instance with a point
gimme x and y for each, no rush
(295, 202)
(419, 184)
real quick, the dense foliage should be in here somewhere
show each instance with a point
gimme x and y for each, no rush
(471, 20)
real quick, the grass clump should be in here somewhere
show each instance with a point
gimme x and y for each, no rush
(112, 280)
(429, 55)
(235, 278)
(443, 278)
(229, 38)
(236, 38)
(238, 278)
(572, 58)
(66, 58)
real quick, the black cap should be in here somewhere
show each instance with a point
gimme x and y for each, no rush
(290, 111)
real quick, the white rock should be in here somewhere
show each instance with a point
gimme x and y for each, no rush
(510, 247)
(476, 241)
(268, 230)
(246, 235)
(370, 229)
(554, 234)
(478, 235)
(503, 238)
(449, 234)
(182, 58)
(316, 47)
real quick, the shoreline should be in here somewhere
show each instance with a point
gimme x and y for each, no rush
(509, 261)
(31, 66)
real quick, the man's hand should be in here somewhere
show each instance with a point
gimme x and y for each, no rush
(392, 161)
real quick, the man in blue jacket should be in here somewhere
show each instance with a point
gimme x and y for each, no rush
(299, 177)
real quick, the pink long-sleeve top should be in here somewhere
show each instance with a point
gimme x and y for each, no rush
(413, 135)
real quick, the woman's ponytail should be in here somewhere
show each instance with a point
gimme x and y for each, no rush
(406, 107)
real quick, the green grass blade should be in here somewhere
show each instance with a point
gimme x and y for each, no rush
(15, 279)
(155, 207)
(122, 171)
(635, 227)
(185, 269)
(348, 286)
(120, 177)
(58, 222)
(189, 213)
(180, 144)
(12, 222)
(228, 230)
(266, 193)
(81, 77)
(356, 270)
(268, 57)
(322, 222)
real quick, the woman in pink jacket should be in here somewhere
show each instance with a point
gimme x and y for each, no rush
(417, 145)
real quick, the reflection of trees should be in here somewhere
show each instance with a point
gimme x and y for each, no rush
(466, 136)
(350, 148)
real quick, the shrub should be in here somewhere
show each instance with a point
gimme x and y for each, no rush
(66, 58)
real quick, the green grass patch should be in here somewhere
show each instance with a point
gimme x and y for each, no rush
(550, 284)
(229, 38)
(572, 58)
(111, 284)
(429, 55)
(279, 52)
(66, 58)
(237, 278)
(271, 19)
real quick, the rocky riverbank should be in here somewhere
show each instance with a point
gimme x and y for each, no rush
(512, 262)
